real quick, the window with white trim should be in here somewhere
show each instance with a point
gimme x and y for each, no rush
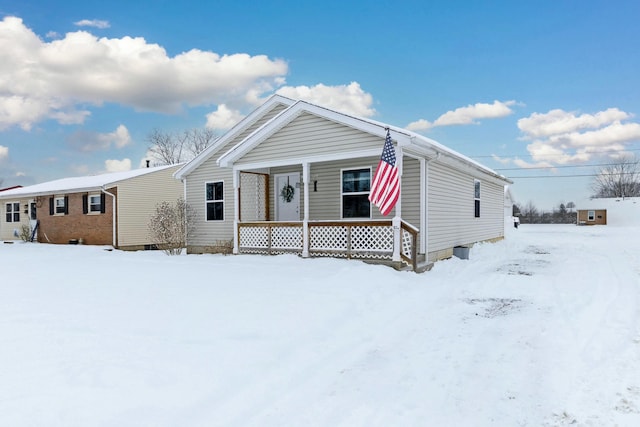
(476, 198)
(215, 201)
(60, 206)
(591, 215)
(13, 212)
(95, 203)
(355, 186)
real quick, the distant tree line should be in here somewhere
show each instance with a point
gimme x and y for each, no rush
(565, 213)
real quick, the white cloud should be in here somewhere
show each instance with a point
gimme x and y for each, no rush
(466, 115)
(59, 79)
(93, 141)
(560, 137)
(4, 152)
(223, 118)
(52, 35)
(558, 121)
(96, 23)
(350, 99)
(117, 165)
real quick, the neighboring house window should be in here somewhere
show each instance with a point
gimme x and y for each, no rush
(215, 201)
(476, 197)
(356, 184)
(58, 205)
(591, 215)
(13, 212)
(93, 203)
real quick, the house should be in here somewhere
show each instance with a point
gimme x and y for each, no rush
(617, 211)
(294, 177)
(108, 209)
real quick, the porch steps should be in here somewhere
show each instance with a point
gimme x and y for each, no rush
(421, 267)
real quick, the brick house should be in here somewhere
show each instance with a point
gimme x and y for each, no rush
(108, 209)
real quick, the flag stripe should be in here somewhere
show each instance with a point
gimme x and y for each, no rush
(385, 189)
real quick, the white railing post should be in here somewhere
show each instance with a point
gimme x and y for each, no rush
(305, 220)
(397, 238)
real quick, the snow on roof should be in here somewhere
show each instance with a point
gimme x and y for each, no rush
(620, 211)
(80, 183)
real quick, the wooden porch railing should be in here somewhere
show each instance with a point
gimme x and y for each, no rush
(371, 240)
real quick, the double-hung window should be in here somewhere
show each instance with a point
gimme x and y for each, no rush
(13, 212)
(591, 215)
(356, 185)
(215, 201)
(60, 205)
(476, 198)
(95, 203)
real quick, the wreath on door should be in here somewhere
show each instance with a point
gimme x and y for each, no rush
(287, 192)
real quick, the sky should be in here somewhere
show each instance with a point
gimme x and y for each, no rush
(542, 92)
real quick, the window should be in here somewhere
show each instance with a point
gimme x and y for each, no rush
(591, 215)
(476, 197)
(95, 203)
(13, 212)
(356, 184)
(61, 206)
(58, 205)
(215, 201)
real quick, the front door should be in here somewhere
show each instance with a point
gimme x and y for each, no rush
(287, 194)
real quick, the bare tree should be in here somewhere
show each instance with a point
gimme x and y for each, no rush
(171, 226)
(171, 148)
(529, 213)
(621, 179)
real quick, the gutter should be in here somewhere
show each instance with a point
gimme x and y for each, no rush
(113, 216)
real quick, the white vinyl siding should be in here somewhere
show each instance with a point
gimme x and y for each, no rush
(451, 219)
(7, 229)
(410, 191)
(137, 200)
(212, 232)
(309, 135)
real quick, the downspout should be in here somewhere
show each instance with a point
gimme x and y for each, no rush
(113, 216)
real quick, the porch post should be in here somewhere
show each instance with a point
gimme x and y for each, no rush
(397, 219)
(236, 210)
(423, 204)
(305, 220)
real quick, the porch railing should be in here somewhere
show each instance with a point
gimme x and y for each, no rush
(372, 240)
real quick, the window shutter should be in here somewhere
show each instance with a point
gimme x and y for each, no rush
(85, 204)
(51, 206)
(66, 205)
(103, 202)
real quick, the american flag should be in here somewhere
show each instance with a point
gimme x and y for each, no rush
(386, 184)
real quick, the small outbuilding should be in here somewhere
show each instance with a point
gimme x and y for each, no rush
(592, 217)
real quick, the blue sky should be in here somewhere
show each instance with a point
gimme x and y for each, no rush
(512, 84)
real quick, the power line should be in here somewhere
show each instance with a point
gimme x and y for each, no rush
(571, 176)
(556, 155)
(556, 167)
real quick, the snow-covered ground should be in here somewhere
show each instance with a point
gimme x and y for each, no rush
(540, 329)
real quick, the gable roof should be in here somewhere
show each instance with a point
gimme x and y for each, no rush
(404, 138)
(79, 183)
(232, 133)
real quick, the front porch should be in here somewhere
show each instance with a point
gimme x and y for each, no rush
(392, 242)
